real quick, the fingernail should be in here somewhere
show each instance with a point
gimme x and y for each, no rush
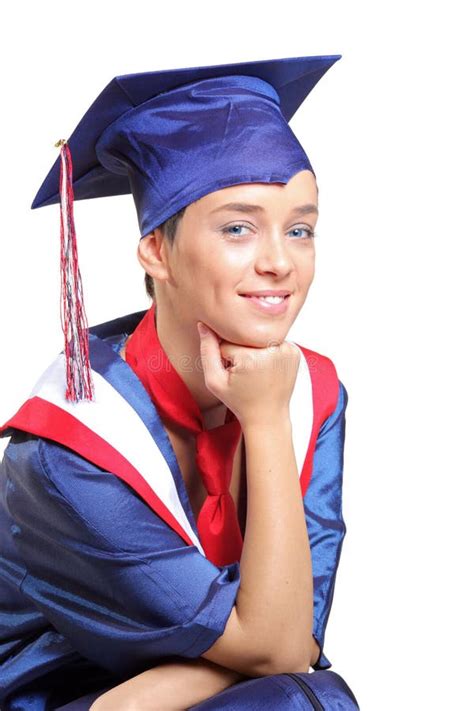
(203, 330)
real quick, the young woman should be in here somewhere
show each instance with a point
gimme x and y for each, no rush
(171, 540)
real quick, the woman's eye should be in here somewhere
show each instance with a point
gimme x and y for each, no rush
(309, 233)
(235, 230)
(231, 229)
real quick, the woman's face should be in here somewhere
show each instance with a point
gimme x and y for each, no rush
(262, 242)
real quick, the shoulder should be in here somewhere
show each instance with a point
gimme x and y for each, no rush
(326, 380)
(320, 365)
(316, 356)
(41, 457)
(73, 494)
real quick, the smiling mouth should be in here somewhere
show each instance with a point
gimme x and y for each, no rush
(269, 305)
(268, 299)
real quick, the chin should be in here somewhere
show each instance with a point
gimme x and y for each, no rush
(259, 338)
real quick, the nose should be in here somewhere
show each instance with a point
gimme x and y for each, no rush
(273, 254)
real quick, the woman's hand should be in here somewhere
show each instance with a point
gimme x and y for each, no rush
(258, 383)
(173, 686)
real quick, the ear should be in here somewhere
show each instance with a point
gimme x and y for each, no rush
(152, 254)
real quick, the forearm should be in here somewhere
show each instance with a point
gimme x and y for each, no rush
(275, 599)
(315, 652)
(174, 686)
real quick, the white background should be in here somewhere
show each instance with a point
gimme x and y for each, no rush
(389, 132)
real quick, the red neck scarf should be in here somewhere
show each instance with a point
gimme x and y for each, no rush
(217, 523)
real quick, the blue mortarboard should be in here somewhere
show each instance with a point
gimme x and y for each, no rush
(170, 137)
(173, 136)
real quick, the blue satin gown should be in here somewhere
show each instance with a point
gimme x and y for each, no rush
(95, 587)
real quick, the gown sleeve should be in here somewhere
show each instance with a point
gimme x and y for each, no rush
(324, 519)
(103, 568)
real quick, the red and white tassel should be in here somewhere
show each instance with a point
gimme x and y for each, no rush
(73, 316)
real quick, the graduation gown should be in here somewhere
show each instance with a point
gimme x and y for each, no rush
(102, 573)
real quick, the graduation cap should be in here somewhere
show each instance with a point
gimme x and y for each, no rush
(169, 138)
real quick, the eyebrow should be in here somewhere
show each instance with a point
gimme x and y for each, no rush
(307, 209)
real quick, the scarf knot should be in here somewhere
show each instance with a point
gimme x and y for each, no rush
(217, 523)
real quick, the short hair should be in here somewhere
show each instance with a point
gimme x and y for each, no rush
(169, 228)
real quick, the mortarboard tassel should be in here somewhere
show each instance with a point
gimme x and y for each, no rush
(73, 315)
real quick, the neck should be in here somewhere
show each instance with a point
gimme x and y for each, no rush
(182, 348)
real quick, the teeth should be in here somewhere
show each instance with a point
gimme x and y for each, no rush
(272, 299)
